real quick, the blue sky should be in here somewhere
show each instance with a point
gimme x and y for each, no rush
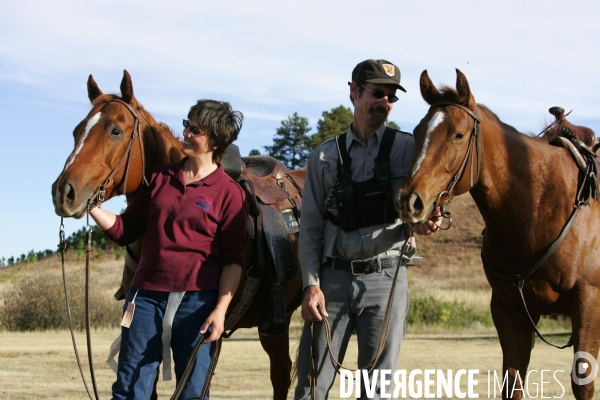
(269, 59)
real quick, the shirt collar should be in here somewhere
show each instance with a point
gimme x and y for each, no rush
(378, 134)
(176, 170)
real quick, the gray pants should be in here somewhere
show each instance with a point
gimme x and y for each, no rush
(353, 303)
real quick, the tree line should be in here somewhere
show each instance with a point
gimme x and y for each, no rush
(292, 142)
(75, 242)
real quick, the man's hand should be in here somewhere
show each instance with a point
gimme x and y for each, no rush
(313, 302)
(431, 226)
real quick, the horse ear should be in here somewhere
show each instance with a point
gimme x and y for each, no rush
(127, 88)
(93, 90)
(428, 90)
(464, 92)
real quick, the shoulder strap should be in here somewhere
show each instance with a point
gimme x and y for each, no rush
(382, 161)
(344, 161)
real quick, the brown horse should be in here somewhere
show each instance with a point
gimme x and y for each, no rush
(104, 147)
(525, 190)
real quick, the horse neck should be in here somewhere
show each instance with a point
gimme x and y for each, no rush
(160, 146)
(521, 179)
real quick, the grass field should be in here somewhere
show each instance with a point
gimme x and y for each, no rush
(41, 365)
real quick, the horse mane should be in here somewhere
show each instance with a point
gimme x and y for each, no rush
(451, 95)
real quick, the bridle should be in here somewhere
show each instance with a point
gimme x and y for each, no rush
(99, 194)
(443, 199)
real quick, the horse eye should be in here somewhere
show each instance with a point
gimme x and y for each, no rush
(459, 136)
(116, 131)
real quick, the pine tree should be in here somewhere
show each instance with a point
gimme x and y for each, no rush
(334, 122)
(254, 152)
(291, 143)
(393, 125)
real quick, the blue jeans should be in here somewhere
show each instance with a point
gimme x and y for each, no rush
(141, 344)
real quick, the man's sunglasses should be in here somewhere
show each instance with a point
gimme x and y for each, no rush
(380, 94)
(194, 129)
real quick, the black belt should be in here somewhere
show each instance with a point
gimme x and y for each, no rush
(363, 267)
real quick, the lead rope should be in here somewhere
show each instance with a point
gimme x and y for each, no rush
(382, 338)
(188, 369)
(88, 330)
(63, 247)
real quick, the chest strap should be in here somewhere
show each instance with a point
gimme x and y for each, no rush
(383, 172)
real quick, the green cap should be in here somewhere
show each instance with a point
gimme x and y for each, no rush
(377, 71)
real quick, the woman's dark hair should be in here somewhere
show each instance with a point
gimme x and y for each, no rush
(220, 122)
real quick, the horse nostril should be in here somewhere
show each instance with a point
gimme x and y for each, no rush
(417, 204)
(69, 194)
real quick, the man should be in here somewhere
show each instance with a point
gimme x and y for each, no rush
(351, 240)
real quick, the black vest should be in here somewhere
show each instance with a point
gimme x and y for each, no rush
(362, 204)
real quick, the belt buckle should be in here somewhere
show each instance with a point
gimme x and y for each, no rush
(352, 268)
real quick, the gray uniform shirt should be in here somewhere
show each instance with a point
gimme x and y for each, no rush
(319, 240)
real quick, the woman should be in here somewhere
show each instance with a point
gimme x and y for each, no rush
(193, 217)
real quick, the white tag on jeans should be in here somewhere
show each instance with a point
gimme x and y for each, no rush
(128, 315)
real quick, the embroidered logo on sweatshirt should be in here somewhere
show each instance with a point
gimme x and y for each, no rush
(204, 203)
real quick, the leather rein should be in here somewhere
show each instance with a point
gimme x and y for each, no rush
(382, 338)
(96, 199)
(587, 190)
(443, 200)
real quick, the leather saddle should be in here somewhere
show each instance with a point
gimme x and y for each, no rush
(562, 127)
(274, 199)
(582, 144)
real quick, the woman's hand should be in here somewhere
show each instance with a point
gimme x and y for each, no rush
(228, 283)
(104, 219)
(215, 325)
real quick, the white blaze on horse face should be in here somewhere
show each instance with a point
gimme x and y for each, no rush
(437, 119)
(88, 127)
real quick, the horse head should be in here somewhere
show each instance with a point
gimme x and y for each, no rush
(445, 140)
(108, 156)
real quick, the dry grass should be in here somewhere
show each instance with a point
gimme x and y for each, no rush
(41, 365)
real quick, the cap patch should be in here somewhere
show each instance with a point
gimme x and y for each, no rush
(390, 70)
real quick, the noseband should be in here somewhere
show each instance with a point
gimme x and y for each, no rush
(443, 198)
(98, 196)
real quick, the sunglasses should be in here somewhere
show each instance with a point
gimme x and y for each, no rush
(194, 129)
(380, 94)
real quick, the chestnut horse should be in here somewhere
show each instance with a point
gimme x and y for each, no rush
(525, 190)
(104, 148)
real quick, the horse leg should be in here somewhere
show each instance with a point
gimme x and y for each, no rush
(516, 339)
(585, 323)
(278, 349)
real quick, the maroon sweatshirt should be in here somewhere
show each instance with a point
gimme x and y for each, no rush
(190, 231)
